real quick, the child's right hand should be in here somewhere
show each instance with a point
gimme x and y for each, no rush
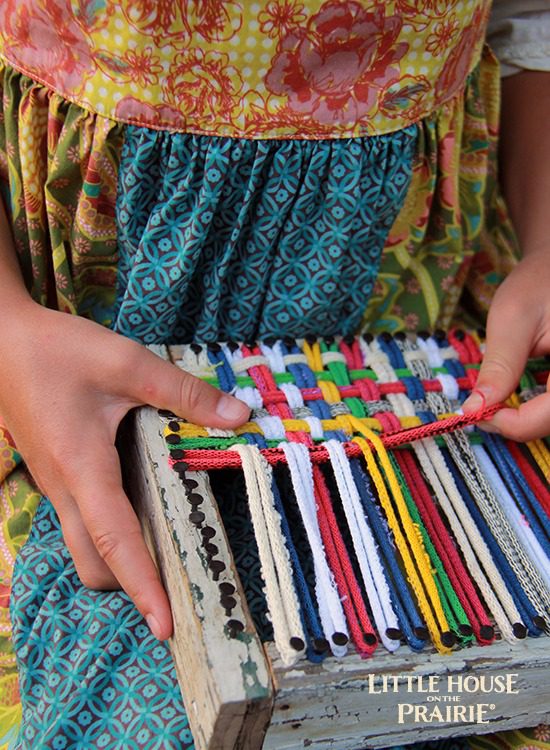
(65, 385)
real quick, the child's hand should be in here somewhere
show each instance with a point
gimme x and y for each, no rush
(66, 384)
(518, 327)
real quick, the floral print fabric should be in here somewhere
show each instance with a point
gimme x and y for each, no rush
(269, 69)
(452, 243)
(59, 169)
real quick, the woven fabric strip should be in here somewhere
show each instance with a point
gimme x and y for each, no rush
(414, 521)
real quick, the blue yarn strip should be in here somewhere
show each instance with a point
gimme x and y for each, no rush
(308, 610)
(523, 603)
(402, 601)
(520, 489)
(224, 371)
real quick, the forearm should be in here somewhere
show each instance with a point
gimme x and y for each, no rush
(525, 157)
(13, 293)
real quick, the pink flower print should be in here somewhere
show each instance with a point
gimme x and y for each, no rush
(445, 262)
(411, 321)
(61, 281)
(280, 16)
(447, 283)
(129, 108)
(333, 70)
(73, 154)
(143, 67)
(201, 82)
(542, 733)
(46, 40)
(82, 245)
(413, 285)
(37, 248)
(459, 61)
(443, 36)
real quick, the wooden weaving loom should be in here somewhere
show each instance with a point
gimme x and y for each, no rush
(437, 547)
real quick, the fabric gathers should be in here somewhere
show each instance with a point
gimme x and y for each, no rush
(169, 236)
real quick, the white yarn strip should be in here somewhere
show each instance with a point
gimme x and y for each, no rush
(251, 396)
(449, 385)
(293, 395)
(431, 350)
(219, 433)
(276, 568)
(316, 427)
(274, 355)
(196, 364)
(520, 525)
(490, 507)
(245, 363)
(272, 427)
(328, 357)
(366, 550)
(331, 612)
(466, 463)
(468, 538)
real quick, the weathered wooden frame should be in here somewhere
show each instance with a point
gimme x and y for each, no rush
(237, 692)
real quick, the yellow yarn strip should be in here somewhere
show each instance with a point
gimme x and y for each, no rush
(330, 391)
(313, 356)
(541, 455)
(539, 449)
(187, 430)
(423, 584)
(341, 422)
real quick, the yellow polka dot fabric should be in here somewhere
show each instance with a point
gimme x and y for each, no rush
(275, 69)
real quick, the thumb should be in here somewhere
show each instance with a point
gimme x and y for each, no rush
(507, 348)
(165, 386)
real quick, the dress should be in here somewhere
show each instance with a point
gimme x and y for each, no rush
(224, 170)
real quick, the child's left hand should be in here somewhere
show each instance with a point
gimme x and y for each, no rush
(518, 327)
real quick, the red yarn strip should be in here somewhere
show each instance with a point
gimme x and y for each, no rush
(374, 389)
(204, 459)
(540, 490)
(338, 559)
(444, 544)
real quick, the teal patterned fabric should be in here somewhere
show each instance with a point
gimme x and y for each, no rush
(224, 238)
(92, 675)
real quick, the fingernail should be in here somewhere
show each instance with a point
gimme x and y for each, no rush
(476, 400)
(486, 427)
(154, 626)
(231, 409)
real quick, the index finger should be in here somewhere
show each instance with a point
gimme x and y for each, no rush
(528, 422)
(116, 534)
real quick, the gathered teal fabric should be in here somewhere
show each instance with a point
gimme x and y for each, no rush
(224, 238)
